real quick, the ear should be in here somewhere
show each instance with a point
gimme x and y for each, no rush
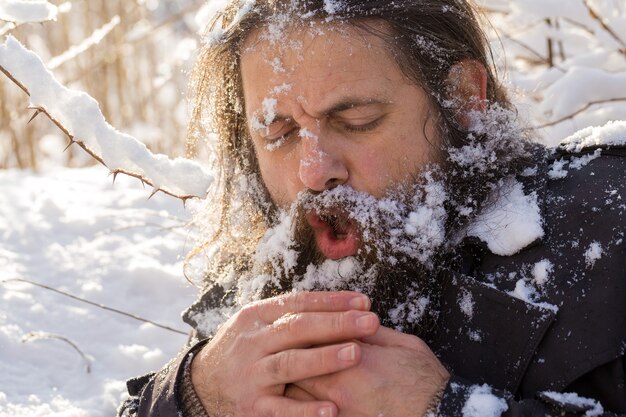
(466, 86)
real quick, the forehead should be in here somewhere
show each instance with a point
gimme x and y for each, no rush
(315, 59)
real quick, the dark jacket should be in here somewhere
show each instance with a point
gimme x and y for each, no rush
(570, 340)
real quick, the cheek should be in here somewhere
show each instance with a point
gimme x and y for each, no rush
(373, 171)
(279, 174)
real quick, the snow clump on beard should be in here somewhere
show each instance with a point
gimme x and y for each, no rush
(400, 236)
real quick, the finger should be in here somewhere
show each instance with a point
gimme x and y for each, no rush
(385, 336)
(306, 329)
(296, 393)
(297, 364)
(287, 407)
(271, 309)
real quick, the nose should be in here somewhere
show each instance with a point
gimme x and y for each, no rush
(320, 169)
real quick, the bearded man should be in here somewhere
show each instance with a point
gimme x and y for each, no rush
(390, 242)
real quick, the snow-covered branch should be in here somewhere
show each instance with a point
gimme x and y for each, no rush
(32, 11)
(92, 40)
(79, 116)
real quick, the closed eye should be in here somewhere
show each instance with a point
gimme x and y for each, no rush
(359, 128)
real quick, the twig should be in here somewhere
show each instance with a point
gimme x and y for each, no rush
(577, 112)
(87, 43)
(531, 50)
(45, 335)
(605, 26)
(74, 297)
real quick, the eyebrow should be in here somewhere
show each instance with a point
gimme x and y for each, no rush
(344, 104)
(350, 103)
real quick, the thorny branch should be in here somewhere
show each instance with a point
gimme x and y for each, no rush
(73, 140)
(577, 112)
(102, 306)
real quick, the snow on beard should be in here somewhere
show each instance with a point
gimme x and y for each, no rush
(400, 237)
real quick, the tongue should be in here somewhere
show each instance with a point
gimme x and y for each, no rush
(333, 243)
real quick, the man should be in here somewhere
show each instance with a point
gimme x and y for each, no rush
(413, 253)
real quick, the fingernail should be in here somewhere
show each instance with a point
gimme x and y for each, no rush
(365, 322)
(325, 412)
(360, 303)
(347, 353)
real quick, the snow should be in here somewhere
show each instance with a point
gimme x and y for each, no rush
(557, 169)
(466, 304)
(70, 229)
(523, 291)
(582, 85)
(216, 35)
(593, 407)
(23, 11)
(269, 110)
(541, 271)
(80, 114)
(593, 253)
(483, 403)
(611, 134)
(334, 6)
(511, 223)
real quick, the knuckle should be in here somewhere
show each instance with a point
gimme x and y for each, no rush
(288, 323)
(325, 359)
(339, 321)
(280, 366)
(258, 409)
(299, 300)
(247, 313)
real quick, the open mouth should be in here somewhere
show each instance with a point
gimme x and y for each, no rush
(336, 235)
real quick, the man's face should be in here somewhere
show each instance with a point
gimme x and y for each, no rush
(328, 105)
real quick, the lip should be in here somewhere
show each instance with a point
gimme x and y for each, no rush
(328, 243)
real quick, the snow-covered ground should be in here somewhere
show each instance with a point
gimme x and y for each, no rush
(72, 230)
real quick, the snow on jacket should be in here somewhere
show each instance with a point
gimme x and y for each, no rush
(538, 333)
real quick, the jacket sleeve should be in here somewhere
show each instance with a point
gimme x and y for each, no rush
(166, 393)
(462, 398)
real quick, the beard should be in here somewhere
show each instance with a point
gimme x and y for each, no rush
(403, 244)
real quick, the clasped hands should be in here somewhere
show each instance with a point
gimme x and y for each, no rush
(315, 354)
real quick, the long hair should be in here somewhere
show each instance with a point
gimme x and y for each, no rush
(425, 37)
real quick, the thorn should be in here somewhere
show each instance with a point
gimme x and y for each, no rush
(69, 144)
(114, 175)
(156, 190)
(34, 115)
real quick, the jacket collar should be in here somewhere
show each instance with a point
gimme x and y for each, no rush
(486, 335)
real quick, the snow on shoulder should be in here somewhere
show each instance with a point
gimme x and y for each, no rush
(572, 400)
(80, 116)
(611, 134)
(483, 403)
(511, 223)
(31, 11)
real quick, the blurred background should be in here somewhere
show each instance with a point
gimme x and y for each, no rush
(564, 61)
